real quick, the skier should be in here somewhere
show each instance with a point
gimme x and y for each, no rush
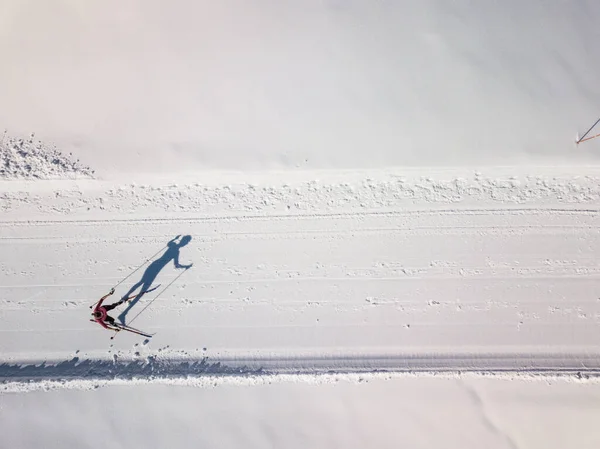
(100, 312)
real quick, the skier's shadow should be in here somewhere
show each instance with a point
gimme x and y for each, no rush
(145, 283)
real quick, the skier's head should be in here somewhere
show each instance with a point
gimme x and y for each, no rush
(185, 240)
(97, 314)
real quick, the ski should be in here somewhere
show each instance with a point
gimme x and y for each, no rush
(149, 290)
(121, 327)
(140, 294)
(133, 296)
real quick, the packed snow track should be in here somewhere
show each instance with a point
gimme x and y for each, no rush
(501, 288)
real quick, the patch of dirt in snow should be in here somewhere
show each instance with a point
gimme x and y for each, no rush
(30, 159)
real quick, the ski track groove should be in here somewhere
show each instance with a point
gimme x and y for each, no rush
(514, 363)
(154, 328)
(472, 277)
(312, 216)
(190, 301)
(438, 230)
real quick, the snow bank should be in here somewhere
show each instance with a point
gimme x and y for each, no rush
(30, 159)
(250, 380)
(308, 192)
(79, 373)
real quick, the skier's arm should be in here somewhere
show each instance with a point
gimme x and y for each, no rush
(101, 301)
(176, 262)
(112, 290)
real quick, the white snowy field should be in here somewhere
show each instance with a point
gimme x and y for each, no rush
(394, 237)
(305, 289)
(300, 276)
(424, 412)
(148, 85)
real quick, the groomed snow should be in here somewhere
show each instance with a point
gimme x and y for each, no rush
(393, 238)
(294, 278)
(472, 273)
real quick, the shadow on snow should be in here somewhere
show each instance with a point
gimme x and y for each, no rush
(149, 276)
(106, 369)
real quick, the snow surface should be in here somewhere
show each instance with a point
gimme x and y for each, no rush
(28, 159)
(393, 242)
(302, 276)
(382, 412)
(131, 85)
(306, 286)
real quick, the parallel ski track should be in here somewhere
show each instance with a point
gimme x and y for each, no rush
(587, 363)
(267, 216)
(542, 364)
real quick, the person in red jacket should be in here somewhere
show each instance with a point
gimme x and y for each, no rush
(100, 312)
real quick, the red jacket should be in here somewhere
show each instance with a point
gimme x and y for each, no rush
(103, 311)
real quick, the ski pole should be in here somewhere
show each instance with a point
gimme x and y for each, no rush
(156, 297)
(130, 274)
(582, 138)
(589, 138)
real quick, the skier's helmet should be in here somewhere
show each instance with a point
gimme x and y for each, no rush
(97, 314)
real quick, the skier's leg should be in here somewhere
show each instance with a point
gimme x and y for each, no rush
(112, 306)
(146, 286)
(133, 288)
(124, 313)
(133, 301)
